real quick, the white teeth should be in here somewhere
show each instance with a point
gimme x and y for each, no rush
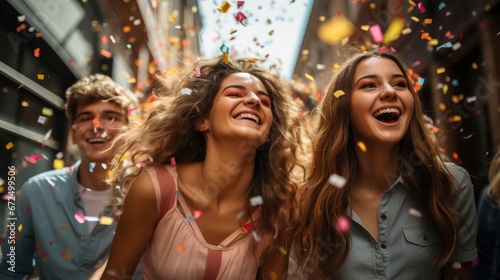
(385, 111)
(248, 116)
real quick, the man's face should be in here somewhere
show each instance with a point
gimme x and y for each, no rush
(94, 128)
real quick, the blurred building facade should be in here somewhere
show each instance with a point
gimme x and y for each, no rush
(49, 45)
(450, 45)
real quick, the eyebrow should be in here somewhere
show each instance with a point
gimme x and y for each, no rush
(84, 113)
(376, 76)
(244, 88)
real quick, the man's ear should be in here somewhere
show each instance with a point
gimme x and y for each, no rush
(202, 126)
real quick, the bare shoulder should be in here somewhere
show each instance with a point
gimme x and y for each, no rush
(142, 189)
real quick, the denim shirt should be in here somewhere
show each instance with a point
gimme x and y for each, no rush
(49, 227)
(408, 242)
(488, 238)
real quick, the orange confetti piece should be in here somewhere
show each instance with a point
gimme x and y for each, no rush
(282, 250)
(96, 122)
(454, 155)
(425, 35)
(226, 57)
(361, 146)
(180, 248)
(106, 54)
(36, 52)
(428, 21)
(442, 106)
(64, 227)
(9, 145)
(40, 76)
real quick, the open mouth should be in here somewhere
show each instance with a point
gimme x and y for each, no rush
(248, 116)
(97, 140)
(388, 115)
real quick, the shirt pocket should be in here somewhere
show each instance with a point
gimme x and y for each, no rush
(423, 245)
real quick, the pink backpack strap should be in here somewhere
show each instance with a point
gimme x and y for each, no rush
(167, 190)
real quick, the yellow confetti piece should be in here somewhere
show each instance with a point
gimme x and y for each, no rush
(2, 189)
(372, 6)
(445, 88)
(64, 227)
(440, 70)
(224, 7)
(180, 248)
(58, 163)
(282, 250)
(20, 86)
(226, 57)
(25, 104)
(40, 76)
(361, 146)
(406, 31)
(442, 106)
(9, 145)
(47, 112)
(322, 18)
(249, 61)
(335, 30)
(20, 228)
(132, 80)
(428, 21)
(110, 174)
(456, 118)
(474, 65)
(365, 27)
(105, 220)
(415, 19)
(345, 41)
(412, 3)
(394, 30)
(309, 77)
(433, 42)
(338, 93)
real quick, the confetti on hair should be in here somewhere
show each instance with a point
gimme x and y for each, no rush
(343, 224)
(248, 226)
(180, 248)
(197, 72)
(172, 161)
(338, 93)
(226, 58)
(415, 213)
(79, 217)
(282, 250)
(337, 181)
(224, 48)
(255, 236)
(256, 200)
(361, 146)
(186, 91)
(224, 7)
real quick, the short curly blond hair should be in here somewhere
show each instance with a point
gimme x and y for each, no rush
(94, 88)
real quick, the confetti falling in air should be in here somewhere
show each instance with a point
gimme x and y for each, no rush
(240, 17)
(361, 145)
(337, 181)
(446, 45)
(456, 265)
(20, 228)
(105, 220)
(79, 217)
(224, 7)
(376, 33)
(91, 167)
(197, 214)
(421, 7)
(256, 236)
(239, 4)
(256, 200)
(9, 146)
(309, 77)
(343, 224)
(248, 226)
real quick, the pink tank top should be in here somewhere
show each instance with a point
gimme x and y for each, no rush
(179, 251)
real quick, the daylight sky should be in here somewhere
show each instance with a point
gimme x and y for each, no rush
(272, 28)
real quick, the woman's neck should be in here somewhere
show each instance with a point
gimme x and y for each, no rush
(378, 167)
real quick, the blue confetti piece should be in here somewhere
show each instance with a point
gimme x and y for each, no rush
(442, 5)
(454, 82)
(91, 166)
(224, 48)
(421, 80)
(189, 218)
(446, 45)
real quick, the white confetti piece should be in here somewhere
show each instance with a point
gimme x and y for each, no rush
(256, 200)
(337, 181)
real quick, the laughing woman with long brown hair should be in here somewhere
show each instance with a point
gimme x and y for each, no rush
(378, 202)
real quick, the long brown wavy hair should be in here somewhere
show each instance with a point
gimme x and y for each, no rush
(334, 153)
(169, 132)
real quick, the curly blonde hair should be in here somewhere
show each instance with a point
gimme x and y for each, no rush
(169, 131)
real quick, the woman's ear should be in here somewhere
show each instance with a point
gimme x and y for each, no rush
(202, 126)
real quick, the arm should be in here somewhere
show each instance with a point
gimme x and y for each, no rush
(134, 230)
(454, 272)
(18, 247)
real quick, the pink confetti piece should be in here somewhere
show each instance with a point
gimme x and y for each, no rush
(415, 213)
(343, 224)
(197, 214)
(376, 33)
(240, 17)
(239, 4)
(421, 7)
(79, 217)
(197, 72)
(172, 161)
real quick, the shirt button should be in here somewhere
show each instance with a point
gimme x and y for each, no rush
(82, 238)
(383, 246)
(383, 217)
